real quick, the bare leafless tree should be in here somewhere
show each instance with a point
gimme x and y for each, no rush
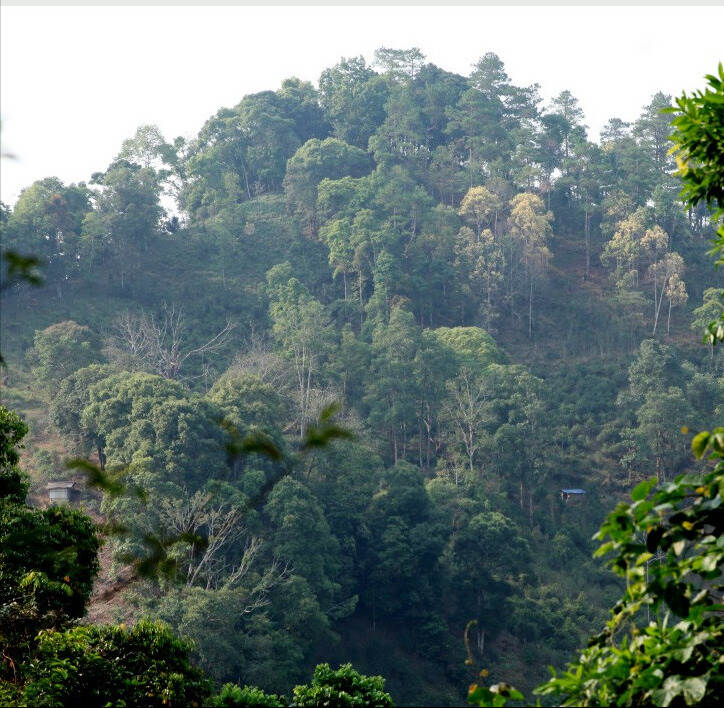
(259, 359)
(213, 564)
(158, 344)
(127, 346)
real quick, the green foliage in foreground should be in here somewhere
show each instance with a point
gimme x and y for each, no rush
(48, 558)
(343, 687)
(112, 666)
(675, 576)
(233, 696)
(13, 483)
(698, 146)
(698, 140)
(668, 546)
(148, 665)
(340, 687)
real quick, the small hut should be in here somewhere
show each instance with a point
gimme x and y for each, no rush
(575, 495)
(62, 492)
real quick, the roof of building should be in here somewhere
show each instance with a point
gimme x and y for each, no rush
(573, 491)
(59, 485)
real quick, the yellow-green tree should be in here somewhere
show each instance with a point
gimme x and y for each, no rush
(530, 226)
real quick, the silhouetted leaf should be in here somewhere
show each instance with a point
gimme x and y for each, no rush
(96, 477)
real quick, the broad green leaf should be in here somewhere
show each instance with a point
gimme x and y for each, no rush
(672, 687)
(710, 562)
(683, 655)
(640, 491)
(700, 443)
(693, 690)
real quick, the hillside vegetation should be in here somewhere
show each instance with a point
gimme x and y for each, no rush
(499, 305)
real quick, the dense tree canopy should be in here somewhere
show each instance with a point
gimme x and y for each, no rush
(494, 304)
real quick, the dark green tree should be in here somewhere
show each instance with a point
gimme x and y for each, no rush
(46, 222)
(66, 406)
(110, 665)
(125, 220)
(48, 560)
(119, 412)
(353, 98)
(60, 350)
(301, 537)
(342, 687)
(314, 161)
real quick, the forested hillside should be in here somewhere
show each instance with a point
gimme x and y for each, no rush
(501, 305)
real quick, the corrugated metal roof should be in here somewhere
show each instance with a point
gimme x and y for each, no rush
(573, 491)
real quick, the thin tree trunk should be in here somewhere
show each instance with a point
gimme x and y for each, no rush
(419, 435)
(530, 310)
(510, 284)
(588, 244)
(656, 302)
(658, 311)
(309, 388)
(522, 495)
(246, 181)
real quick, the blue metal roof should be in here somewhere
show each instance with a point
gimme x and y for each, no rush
(574, 491)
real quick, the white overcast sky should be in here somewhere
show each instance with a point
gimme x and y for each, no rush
(76, 81)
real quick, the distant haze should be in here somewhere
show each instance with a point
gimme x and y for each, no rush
(76, 81)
